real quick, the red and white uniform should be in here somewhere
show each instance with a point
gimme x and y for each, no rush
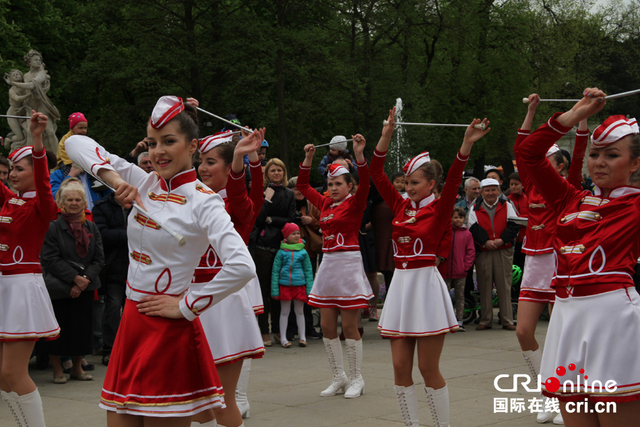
(541, 227)
(340, 281)
(146, 347)
(418, 303)
(26, 313)
(596, 320)
(231, 326)
(520, 203)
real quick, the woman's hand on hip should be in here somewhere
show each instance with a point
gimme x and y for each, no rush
(161, 306)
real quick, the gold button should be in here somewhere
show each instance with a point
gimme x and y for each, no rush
(150, 193)
(199, 186)
(597, 216)
(562, 249)
(582, 200)
(582, 249)
(564, 218)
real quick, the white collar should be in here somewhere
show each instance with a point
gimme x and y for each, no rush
(484, 202)
(223, 193)
(616, 192)
(424, 202)
(28, 195)
(338, 202)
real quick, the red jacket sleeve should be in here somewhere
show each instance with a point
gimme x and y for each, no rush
(362, 194)
(240, 205)
(579, 149)
(533, 152)
(444, 249)
(45, 204)
(309, 193)
(450, 190)
(256, 194)
(525, 178)
(386, 189)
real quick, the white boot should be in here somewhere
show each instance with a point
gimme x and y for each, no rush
(534, 361)
(558, 419)
(10, 398)
(334, 354)
(439, 405)
(31, 408)
(408, 402)
(356, 383)
(241, 389)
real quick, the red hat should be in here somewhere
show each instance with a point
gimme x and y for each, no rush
(288, 229)
(76, 118)
(613, 129)
(413, 164)
(209, 142)
(21, 153)
(166, 109)
(335, 170)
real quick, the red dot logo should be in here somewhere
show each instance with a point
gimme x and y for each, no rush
(561, 371)
(581, 371)
(572, 367)
(552, 384)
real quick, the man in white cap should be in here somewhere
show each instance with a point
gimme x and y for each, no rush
(493, 230)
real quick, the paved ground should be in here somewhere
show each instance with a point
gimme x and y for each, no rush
(285, 386)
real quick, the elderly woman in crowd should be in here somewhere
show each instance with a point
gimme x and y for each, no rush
(72, 255)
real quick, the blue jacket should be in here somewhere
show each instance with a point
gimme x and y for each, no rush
(291, 267)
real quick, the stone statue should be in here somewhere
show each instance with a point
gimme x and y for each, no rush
(29, 92)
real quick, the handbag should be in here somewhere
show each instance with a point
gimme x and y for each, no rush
(57, 288)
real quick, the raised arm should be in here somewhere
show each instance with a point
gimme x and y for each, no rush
(243, 209)
(523, 133)
(552, 186)
(363, 171)
(454, 177)
(45, 203)
(390, 195)
(579, 150)
(309, 193)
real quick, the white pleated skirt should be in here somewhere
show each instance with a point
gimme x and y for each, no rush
(232, 329)
(599, 337)
(418, 304)
(341, 282)
(255, 295)
(536, 280)
(26, 313)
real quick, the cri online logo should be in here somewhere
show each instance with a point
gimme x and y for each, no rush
(553, 384)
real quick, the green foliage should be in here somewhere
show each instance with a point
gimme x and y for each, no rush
(308, 70)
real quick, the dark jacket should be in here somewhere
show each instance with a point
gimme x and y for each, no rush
(281, 209)
(110, 219)
(53, 261)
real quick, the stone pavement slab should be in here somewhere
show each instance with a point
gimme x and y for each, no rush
(285, 386)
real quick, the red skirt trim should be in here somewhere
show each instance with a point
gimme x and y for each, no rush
(251, 354)
(289, 293)
(537, 296)
(157, 363)
(594, 398)
(343, 304)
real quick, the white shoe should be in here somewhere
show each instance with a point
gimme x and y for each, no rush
(334, 354)
(558, 420)
(408, 402)
(545, 416)
(439, 405)
(356, 383)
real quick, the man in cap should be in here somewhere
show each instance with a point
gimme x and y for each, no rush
(493, 230)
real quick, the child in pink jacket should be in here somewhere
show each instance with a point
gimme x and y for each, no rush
(460, 261)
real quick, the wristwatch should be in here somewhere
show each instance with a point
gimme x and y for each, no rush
(87, 277)
(268, 220)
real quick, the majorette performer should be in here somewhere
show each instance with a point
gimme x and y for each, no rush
(26, 314)
(161, 364)
(594, 333)
(341, 286)
(418, 310)
(231, 326)
(536, 290)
